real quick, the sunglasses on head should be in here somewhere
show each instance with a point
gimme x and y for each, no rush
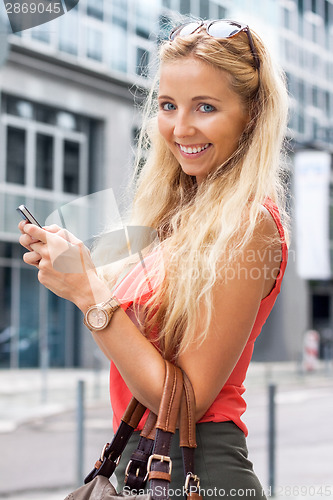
(221, 28)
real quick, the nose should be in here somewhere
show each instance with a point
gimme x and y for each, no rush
(183, 126)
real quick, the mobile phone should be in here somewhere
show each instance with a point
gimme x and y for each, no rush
(27, 215)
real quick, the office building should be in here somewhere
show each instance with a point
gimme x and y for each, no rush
(69, 119)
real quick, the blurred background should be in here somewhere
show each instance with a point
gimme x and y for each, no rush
(69, 96)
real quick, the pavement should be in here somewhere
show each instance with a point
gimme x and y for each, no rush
(31, 397)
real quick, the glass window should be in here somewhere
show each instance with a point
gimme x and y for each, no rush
(142, 61)
(326, 12)
(119, 13)
(45, 114)
(94, 44)
(328, 22)
(16, 144)
(286, 18)
(9, 218)
(66, 120)
(6, 331)
(95, 9)
(292, 119)
(70, 4)
(71, 167)
(300, 25)
(222, 12)
(328, 101)
(41, 33)
(301, 123)
(18, 107)
(118, 48)
(68, 33)
(42, 209)
(57, 330)
(29, 319)
(185, 6)
(204, 9)
(301, 92)
(144, 18)
(44, 161)
(315, 96)
(301, 57)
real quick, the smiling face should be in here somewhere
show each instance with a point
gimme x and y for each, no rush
(200, 117)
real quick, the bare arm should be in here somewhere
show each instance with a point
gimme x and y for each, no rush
(236, 305)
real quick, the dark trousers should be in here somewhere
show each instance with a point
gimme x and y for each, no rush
(220, 461)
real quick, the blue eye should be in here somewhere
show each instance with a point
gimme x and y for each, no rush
(207, 108)
(168, 106)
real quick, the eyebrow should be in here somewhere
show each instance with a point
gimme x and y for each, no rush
(197, 98)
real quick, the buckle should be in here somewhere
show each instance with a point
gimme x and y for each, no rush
(103, 453)
(161, 458)
(195, 478)
(136, 473)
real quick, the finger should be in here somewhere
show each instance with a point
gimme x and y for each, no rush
(25, 240)
(32, 258)
(63, 233)
(21, 225)
(39, 247)
(36, 232)
(53, 228)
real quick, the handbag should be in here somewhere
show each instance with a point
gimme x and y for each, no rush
(151, 460)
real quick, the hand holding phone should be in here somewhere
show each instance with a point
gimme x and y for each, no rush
(27, 215)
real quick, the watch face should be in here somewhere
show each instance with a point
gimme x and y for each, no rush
(97, 318)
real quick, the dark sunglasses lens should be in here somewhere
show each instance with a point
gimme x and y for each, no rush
(223, 29)
(185, 30)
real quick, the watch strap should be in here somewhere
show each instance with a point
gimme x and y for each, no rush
(109, 307)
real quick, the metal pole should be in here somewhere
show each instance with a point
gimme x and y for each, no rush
(43, 342)
(271, 438)
(80, 432)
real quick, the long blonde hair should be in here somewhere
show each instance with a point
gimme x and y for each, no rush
(197, 224)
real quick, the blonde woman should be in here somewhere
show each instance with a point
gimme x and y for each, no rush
(212, 187)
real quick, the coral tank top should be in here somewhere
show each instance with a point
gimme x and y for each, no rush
(229, 405)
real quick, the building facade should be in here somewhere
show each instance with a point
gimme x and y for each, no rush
(68, 126)
(69, 90)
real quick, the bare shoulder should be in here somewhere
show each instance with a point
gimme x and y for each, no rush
(266, 226)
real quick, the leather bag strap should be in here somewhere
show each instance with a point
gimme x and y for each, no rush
(187, 439)
(111, 452)
(169, 408)
(136, 471)
(177, 397)
(159, 464)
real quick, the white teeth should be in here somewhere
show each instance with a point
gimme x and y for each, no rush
(193, 150)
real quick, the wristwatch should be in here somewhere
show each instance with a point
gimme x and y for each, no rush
(99, 316)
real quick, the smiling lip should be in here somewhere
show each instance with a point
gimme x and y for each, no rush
(192, 151)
